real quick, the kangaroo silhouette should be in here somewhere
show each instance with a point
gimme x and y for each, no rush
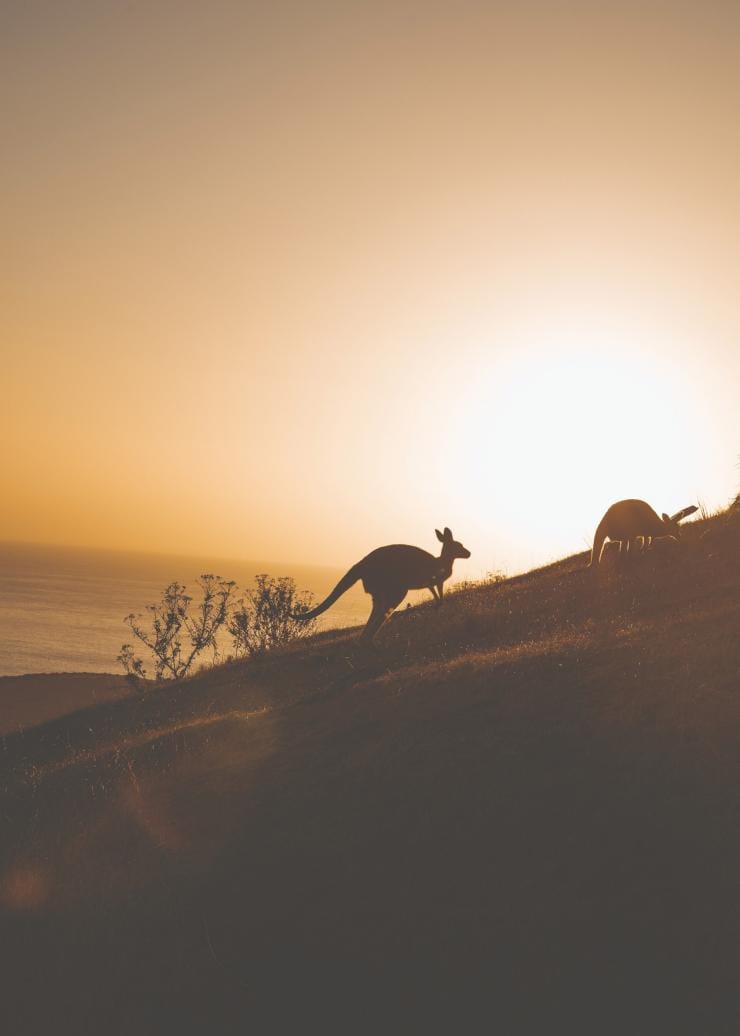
(388, 574)
(630, 520)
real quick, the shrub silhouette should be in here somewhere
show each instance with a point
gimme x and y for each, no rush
(176, 637)
(269, 615)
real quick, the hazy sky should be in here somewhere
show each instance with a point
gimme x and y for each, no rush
(292, 280)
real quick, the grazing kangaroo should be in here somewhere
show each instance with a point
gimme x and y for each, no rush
(388, 574)
(632, 520)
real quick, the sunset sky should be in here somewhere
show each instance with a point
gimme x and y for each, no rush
(292, 280)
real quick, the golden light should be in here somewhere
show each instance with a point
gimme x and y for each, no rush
(554, 433)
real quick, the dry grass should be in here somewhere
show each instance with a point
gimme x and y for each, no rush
(522, 809)
(27, 701)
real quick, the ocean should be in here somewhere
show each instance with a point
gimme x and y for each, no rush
(62, 609)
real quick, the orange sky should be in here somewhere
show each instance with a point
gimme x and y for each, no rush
(293, 280)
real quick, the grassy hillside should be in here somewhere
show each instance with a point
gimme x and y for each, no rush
(522, 814)
(28, 701)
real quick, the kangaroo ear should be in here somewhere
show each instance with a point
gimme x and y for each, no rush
(684, 513)
(448, 533)
(665, 517)
(440, 537)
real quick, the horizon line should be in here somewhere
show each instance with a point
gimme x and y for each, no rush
(152, 552)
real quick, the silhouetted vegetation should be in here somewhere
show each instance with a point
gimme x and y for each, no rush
(524, 807)
(269, 616)
(177, 636)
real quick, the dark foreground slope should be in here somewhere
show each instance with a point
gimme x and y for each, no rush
(28, 701)
(522, 815)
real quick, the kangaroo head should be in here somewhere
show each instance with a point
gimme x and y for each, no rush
(451, 549)
(671, 522)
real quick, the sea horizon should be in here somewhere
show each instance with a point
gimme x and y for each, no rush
(62, 608)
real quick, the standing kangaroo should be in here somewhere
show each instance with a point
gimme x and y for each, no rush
(632, 520)
(388, 574)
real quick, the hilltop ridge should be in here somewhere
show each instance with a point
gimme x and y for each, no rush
(522, 808)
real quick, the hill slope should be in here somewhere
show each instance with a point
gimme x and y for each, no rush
(28, 701)
(524, 810)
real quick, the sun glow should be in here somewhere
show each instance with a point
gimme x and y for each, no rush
(553, 435)
(291, 284)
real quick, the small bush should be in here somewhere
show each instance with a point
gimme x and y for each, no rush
(175, 637)
(267, 616)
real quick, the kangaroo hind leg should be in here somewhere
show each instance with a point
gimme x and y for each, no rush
(598, 548)
(378, 616)
(383, 608)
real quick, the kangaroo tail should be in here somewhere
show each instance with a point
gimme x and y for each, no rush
(599, 537)
(342, 586)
